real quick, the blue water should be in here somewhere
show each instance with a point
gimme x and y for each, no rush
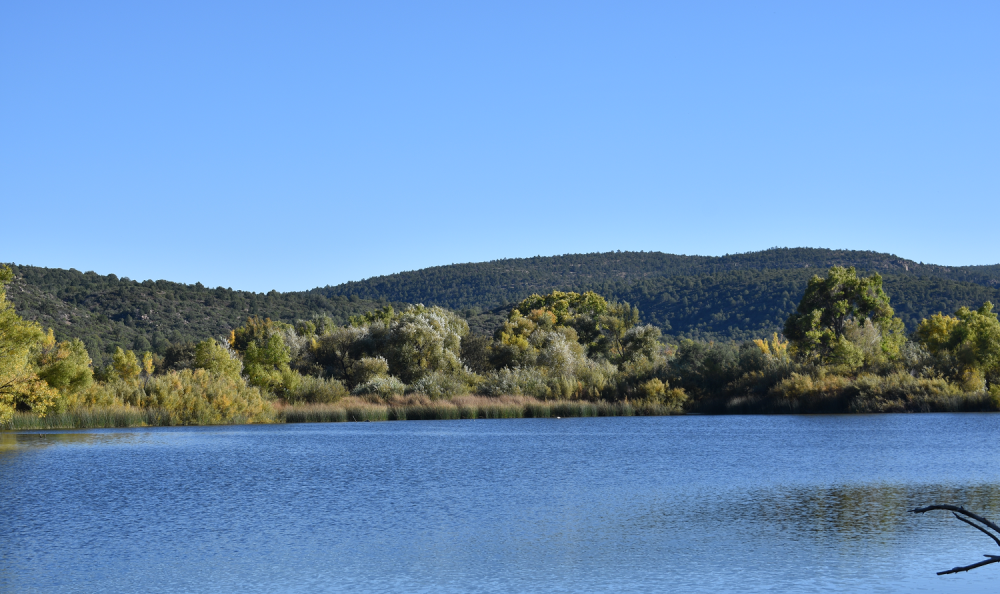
(667, 504)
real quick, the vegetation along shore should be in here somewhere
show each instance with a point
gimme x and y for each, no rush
(843, 348)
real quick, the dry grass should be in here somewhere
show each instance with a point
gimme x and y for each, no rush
(370, 408)
(416, 407)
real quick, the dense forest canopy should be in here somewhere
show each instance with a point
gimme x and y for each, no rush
(491, 284)
(107, 312)
(737, 297)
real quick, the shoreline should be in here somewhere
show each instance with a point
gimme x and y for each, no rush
(415, 408)
(348, 410)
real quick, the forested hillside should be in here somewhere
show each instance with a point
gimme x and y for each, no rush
(749, 304)
(492, 284)
(737, 296)
(740, 296)
(107, 312)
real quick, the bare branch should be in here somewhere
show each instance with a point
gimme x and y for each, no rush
(978, 527)
(955, 511)
(993, 559)
(961, 510)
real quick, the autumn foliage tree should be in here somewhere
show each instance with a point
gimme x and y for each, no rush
(20, 385)
(968, 343)
(65, 366)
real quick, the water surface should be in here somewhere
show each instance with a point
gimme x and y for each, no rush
(685, 504)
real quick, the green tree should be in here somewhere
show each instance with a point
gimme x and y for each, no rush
(65, 366)
(265, 354)
(641, 342)
(20, 385)
(215, 357)
(305, 328)
(934, 333)
(976, 340)
(265, 360)
(423, 340)
(619, 341)
(338, 351)
(971, 339)
(254, 330)
(384, 315)
(845, 319)
(580, 311)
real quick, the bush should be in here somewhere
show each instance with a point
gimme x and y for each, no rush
(527, 381)
(217, 357)
(653, 389)
(443, 385)
(382, 386)
(314, 390)
(595, 377)
(423, 340)
(675, 399)
(368, 368)
(111, 393)
(705, 369)
(805, 387)
(201, 397)
(901, 392)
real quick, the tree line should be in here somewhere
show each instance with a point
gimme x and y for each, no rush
(843, 349)
(730, 298)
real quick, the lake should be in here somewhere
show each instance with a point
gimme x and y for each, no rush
(634, 504)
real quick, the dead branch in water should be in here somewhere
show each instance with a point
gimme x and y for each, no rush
(986, 528)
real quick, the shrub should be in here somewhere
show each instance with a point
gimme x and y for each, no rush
(900, 392)
(423, 340)
(218, 357)
(315, 390)
(383, 386)
(112, 393)
(444, 385)
(369, 368)
(675, 399)
(526, 381)
(201, 397)
(654, 388)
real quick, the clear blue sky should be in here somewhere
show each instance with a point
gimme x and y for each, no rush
(288, 145)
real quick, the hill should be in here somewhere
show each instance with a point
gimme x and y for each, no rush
(487, 285)
(107, 312)
(749, 304)
(738, 296)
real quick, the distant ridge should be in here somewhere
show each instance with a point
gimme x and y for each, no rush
(737, 296)
(108, 312)
(494, 283)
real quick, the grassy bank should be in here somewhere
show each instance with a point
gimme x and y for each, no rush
(96, 417)
(352, 409)
(418, 407)
(462, 407)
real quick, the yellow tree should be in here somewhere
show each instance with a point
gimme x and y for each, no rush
(125, 365)
(971, 340)
(19, 384)
(213, 356)
(65, 365)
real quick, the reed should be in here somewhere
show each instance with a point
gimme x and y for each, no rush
(313, 413)
(96, 417)
(350, 409)
(417, 407)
